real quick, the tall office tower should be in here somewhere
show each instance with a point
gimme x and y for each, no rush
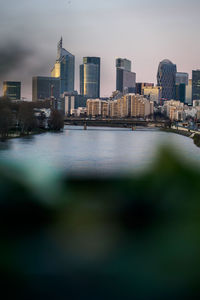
(90, 77)
(12, 89)
(188, 99)
(182, 78)
(181, 83)
(125, 79)
(64, 69)
(45, 88)
(166, 78)
(196, 85)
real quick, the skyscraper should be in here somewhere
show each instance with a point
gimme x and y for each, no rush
(188, 99)
(45, 87)
(90, 77)
(12, 89)
(64, 69)
(166, 78)
(196, 85)
(182, 80)
(125, 79)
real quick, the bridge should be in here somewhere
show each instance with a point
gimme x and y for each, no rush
(121, 123)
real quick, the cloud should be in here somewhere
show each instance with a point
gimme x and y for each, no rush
(12, 56)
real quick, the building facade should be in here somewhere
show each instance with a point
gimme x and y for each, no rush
(125, 79)
(12, 89)
(152, 93)
(182, 78)
(166, 78)
(45, 88)
(73, 101)
(196, 85)
(90, 77)
(129, 105)
(141, 85)
(64, 69)
(188, 97)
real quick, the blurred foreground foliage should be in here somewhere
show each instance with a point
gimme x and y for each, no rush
(113, 238)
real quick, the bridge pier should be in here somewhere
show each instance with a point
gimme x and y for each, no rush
(85, 126)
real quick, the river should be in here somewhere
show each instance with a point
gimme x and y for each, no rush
(102, 151)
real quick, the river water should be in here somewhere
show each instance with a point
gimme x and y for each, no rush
(102, 151)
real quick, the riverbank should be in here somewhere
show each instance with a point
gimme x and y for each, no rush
(178, 131)
(16, 135)
(185, 132)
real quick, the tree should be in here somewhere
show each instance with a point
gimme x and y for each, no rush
(56, 120)
(26, 118)
(5, 121)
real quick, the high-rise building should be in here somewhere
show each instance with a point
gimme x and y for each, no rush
(181, 83)
(188, 97)
(90, 77)
(64, 69)
(125, 79)
(12, 89)
(182, 78)
(196, 85)
(45, 88)
(166, 78)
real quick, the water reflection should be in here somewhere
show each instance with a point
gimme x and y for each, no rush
(4, 145)
(101, 151)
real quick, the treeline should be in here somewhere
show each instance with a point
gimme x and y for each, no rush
(20, 118)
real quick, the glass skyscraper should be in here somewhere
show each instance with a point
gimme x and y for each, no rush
(64, 69)
(125, 79)
(196, 85)
(166, 78)
(182, 80)
(45, 87)
(90, 77)
(12, 89)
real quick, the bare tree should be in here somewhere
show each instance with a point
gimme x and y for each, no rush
(56, 120)
(26, 118)
(5, 121)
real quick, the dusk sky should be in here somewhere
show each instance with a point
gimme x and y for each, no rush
(143, 31)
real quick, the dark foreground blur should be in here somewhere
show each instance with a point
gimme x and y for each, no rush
(123, 238)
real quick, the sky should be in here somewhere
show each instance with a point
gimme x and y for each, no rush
(144, 31)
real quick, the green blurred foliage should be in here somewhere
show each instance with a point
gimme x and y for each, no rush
(134, 237)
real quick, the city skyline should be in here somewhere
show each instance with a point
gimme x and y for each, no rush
(145, 33)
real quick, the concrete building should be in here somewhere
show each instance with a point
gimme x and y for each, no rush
(125, 79)
(12, 89)
(72, 101)
(141, 85)
(78, 112)
(64, 69)
(94, 107)
(141, 107)
(90, 77)
(45, 88)
(113, 108)
(174, 110)
(153, 93)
